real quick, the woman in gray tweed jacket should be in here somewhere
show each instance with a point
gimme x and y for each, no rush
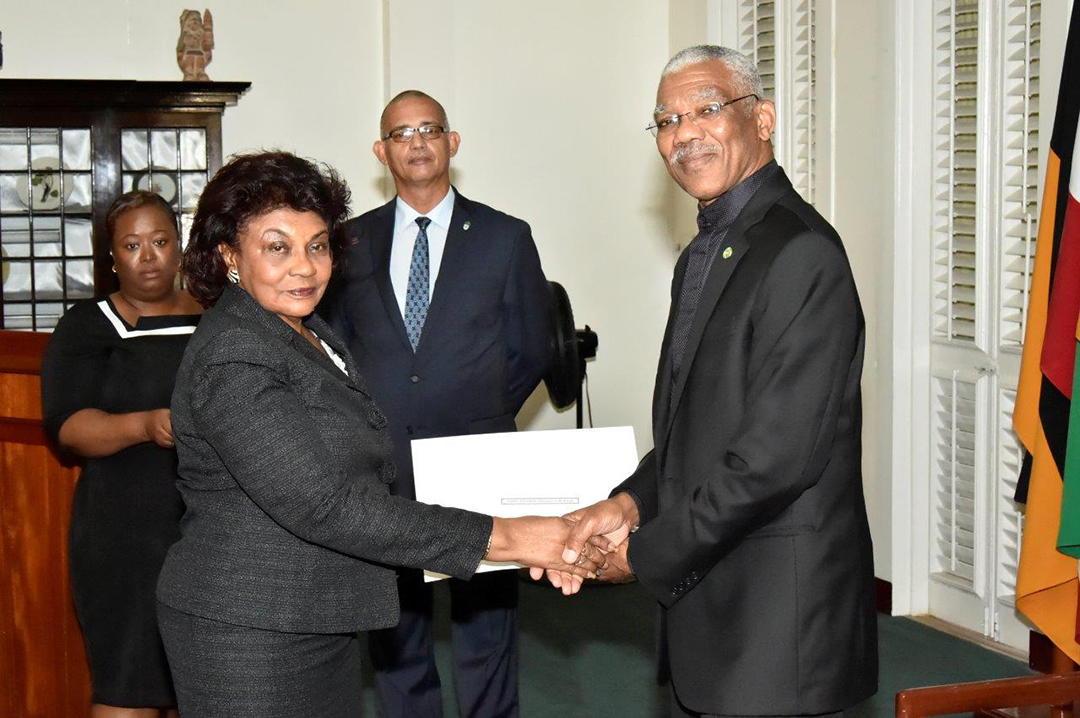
(290, 529)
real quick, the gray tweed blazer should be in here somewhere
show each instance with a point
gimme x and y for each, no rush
(284, 468)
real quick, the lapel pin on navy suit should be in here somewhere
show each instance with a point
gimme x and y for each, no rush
(466, 226)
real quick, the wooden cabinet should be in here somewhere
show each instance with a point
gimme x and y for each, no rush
(67, 149)
(43, 669)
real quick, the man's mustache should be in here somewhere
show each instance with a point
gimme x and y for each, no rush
(686, 151)
(419, 155)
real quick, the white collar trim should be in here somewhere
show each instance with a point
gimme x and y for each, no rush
(126, 333)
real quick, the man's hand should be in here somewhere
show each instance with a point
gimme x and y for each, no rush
(617, 568)
(539, 542)
(605, 524)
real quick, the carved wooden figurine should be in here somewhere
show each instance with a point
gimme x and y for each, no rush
(194, 49)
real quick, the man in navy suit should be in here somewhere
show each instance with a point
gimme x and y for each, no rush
(444, 306)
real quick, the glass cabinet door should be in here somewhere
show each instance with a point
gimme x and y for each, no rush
(68, 149)
(46, 235)
(170, 161)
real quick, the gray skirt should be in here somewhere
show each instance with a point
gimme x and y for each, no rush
(220, 669)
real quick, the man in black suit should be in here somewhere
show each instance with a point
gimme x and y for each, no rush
(752, 535)
(444, 305)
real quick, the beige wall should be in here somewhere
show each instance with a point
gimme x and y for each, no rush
(551, 105)
(862, 201)
(551, 113)
(551, 102)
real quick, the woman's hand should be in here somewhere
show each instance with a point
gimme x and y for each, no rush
(94, 433)
(157, 423)
(538, 542)
(616, 569)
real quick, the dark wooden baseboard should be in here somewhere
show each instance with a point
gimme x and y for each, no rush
(1041, 654)
(883, 596)
(1040, 649)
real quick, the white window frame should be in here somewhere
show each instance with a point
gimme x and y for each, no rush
(917, 354)
(803, 107)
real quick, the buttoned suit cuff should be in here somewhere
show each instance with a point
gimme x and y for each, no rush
(653, 569)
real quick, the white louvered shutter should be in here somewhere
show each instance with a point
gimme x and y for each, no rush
(780, 36)
(757, 29)
(758, 33)
(803, 84)
(955, 543)
(1020, 168)
(985, 70)
(955, 281)
(1010, 520)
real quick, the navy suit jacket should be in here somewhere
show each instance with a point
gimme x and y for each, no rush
(485, 342)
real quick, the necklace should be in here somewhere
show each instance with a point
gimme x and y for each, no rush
(312, 339)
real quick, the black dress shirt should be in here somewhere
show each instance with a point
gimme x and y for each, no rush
(713, 222)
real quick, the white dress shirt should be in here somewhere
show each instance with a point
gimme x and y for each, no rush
(405, 231)
(334, 356)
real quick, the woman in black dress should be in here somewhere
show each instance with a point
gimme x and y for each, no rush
(106, 384)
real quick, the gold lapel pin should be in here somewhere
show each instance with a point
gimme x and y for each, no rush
(727, 253)
(466, 226)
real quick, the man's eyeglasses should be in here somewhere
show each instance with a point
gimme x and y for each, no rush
(427, 132)
(709, 112)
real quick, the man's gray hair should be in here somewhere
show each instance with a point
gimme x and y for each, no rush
(743, 70)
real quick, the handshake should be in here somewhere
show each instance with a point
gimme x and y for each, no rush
(587, 543)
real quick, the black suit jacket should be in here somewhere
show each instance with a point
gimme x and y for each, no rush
(754, 536)
(284, 465)
(485, 342)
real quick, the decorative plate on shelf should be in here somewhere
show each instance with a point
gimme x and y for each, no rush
(163, 185)
(40, 190)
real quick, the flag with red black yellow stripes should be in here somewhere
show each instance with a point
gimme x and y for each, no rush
(1046, 589)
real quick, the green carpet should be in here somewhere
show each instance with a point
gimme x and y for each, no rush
(592, 655)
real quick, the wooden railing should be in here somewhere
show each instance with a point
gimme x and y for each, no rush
(1058, 692)
(43, 669)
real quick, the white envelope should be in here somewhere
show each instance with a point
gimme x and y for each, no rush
(527, 473)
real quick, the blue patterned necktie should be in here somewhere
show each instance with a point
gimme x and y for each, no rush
(416, 295)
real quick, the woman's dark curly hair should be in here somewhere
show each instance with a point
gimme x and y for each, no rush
(249, 186)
